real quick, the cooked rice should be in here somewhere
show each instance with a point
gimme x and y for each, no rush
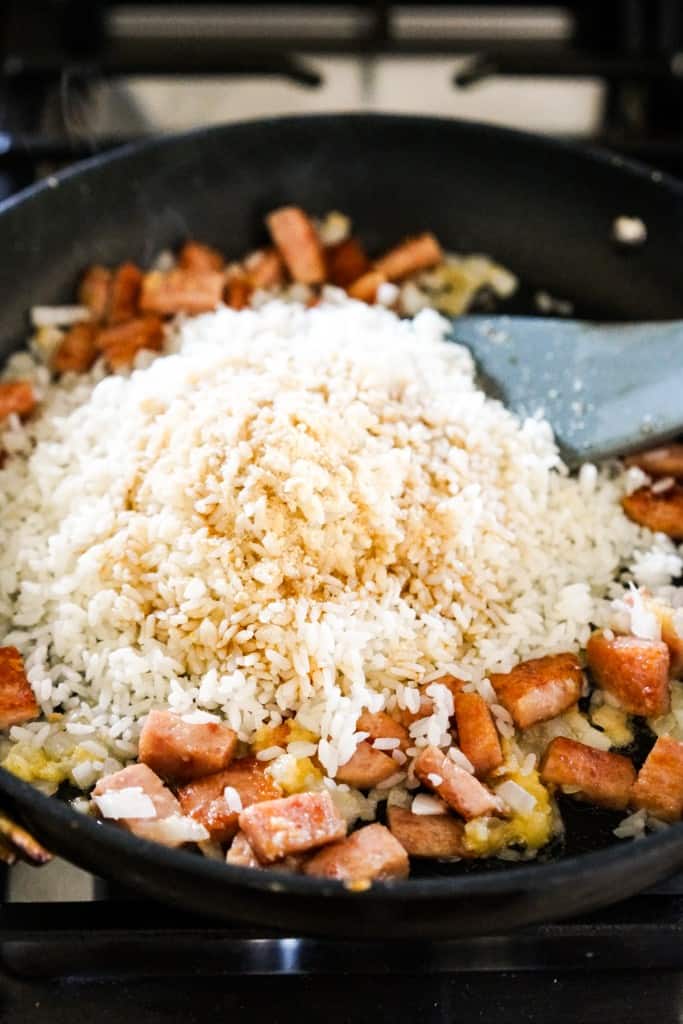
(296, 513)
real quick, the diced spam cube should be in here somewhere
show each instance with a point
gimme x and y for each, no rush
(141, 776)
(428, 835)
(296, 238)
(241, 854)
(414, 254)
(633, 670)
(204, 799)
(346, 262)
(660, 462)
(182, 751)
(238, 288)
(366, 768)
(365, 288)
(477, 733)
(670, 635)
(264, 269)
(121, 343)
(17, 700)
(198, 257)
(662, 513)
(94, 291)
(125, 293)
(463, 792)
(294, 824)
(382, 726)
(659, 786)
(77, 351)
(370, 854)
(539, 689)
(16, 396)
(181, 291)
(596, 776)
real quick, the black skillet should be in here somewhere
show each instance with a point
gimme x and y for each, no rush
(545, 210)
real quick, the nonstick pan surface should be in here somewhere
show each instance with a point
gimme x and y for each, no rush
(545, 210)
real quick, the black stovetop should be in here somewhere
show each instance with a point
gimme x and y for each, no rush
(116, 958)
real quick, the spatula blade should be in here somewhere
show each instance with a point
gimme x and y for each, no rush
(606, 389)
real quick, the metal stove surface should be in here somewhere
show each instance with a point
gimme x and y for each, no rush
(72, 945)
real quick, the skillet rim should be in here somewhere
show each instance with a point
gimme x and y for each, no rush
(548, 875)
(588, 152)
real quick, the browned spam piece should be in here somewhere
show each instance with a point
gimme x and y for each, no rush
(121, 344)
(181, 291)
(477, 733)
(381, 726)
(17, 699)
(670, 636)
(141, 776)
(346, 262)
(366, 768)
(241, 854)
(438, 836)
(16, 396)
(204, 801)
(662, 513)
(182, 751)
(411, 256)
(633, 670)
(124, 294)
(366, 287)
(539, 689)
(238, 288)
(295, 237)
(291, 825)
(264, 269)
(595, 776)
(94, 291)
(77, 351)
(659, 786)
(199, 257)
(659, 462)
(463, 792)
(370, 854)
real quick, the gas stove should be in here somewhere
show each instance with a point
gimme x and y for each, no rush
(78, 76)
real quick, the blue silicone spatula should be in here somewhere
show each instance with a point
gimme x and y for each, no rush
(606, 389)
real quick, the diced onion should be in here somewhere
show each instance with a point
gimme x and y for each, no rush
(516, 797)
(176, 830)
(424, 804)
(131, 802)
(58, 316)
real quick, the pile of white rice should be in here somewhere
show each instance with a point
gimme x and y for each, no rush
(297, 512)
